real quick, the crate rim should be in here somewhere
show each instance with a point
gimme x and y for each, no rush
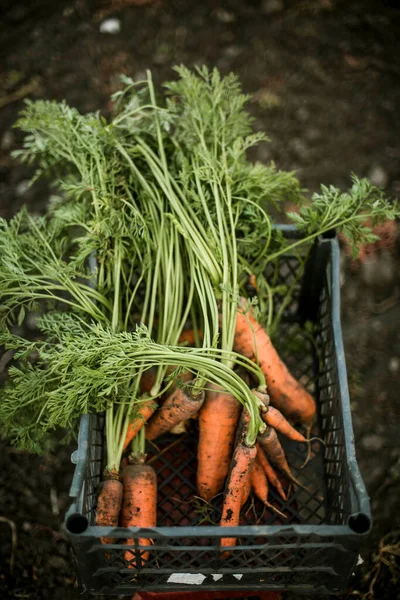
(359, 521)
(213, 531)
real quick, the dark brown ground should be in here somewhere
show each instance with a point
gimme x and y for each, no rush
(325, 75)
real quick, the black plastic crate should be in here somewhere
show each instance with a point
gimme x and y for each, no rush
(315, 549)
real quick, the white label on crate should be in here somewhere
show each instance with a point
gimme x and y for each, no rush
(188, 578)
(217, 576)
(238, 576)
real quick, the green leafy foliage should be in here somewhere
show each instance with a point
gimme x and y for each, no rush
(82, 367)
(354, 213)
(159, 218)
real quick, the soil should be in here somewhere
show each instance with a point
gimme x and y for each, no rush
(325, 78)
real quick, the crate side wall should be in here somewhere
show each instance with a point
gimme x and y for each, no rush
(330, 413)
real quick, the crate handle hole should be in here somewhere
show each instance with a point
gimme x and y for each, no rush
(77, 523)
(360, 523)
(329, 235)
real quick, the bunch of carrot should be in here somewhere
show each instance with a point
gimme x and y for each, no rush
(166, 204)
(225, 458)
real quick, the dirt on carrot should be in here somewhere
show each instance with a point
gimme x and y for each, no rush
(240, 473)
(270, 473)
(139, 507)
(180, 405)
(259, 485)
(271, 445)
(218, 420)
(109, 503)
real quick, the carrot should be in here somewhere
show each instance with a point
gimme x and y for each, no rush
(253, 282)
(181, 379)
(288, 395)
(246, 492)
(218, 419)
(139, 506)
(259, 481)
(109, 503)
(270, 443)
(243, 424)
(274, 418)
(144, 411)
(240, 436)
(188, 336)
(259, 485)
(147, 380)
(241, 433)
(270, 473)
(183, 376)
(179, 405)
(241, 464)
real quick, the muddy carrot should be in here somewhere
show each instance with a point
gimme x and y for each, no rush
(109, 503)
(218, 419)
(274, 418)
(270, 473)
(181, 379)
(147, 380)
(259, 485)
(246, 490)
(271, 445)
(179, 405)
(287, 394)
(188, 336)
(139, 506)
(240, 472)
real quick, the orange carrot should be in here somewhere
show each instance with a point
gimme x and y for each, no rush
(241, 465)
(259, 485)
(179, 405)
(259, 481)
(144, 411)
(218, 419)
(109, 503)
(253, 282)
(182, 378)
(246, 491)
(188, 336)
(287, 394)
(274, 418)
(147, 380)
(183, 375)
(243, 424)
(241, 433)
(271, 445)
(179, 381)
(269, 472)
(139, 506)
